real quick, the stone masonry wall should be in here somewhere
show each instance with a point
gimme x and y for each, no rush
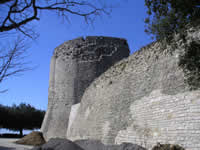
(74, 65)
(143, 99)
(166, 119)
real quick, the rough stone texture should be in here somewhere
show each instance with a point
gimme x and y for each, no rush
(97, 145)
(142, 100)
(64, 144)
(74, 65)
(58, 144)
(166, 119)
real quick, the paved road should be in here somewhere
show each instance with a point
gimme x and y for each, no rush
(8, 144)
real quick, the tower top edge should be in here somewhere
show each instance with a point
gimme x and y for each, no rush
(91, 39)
(91, 45)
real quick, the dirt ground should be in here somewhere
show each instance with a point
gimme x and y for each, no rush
(8, 144)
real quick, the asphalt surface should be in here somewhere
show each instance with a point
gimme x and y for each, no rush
(8, 144)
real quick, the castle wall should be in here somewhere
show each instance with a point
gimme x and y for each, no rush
(61, 97)
(46, 120)
(164, 118)
(72, 116)
(74, 65)
(143, 100)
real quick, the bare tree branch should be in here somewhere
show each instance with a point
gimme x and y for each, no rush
(4, 1)
(3, 91)
(12, 60)
(22, 12)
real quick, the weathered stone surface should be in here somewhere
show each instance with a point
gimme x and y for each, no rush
(58, 144)
(143, 100)
(97, 145)
(91, 144)
(72, 116)
(64, 144)
(74, 65)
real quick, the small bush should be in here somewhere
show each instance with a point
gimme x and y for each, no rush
(190, 62)
(167, 147)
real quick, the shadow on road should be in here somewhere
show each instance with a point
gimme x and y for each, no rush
(6, 148)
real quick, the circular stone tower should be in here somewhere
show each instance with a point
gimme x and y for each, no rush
(74, 65)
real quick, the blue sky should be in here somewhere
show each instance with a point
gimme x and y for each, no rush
(126, 21)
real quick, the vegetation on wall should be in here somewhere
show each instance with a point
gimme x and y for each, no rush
(190, 62)
(169, 17)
